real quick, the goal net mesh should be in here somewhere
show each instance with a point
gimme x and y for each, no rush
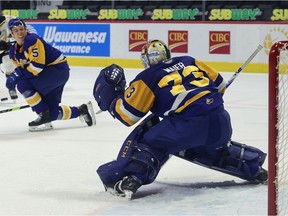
(278, 128)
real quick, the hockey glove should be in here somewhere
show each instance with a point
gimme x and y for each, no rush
(13, 79)
(109, 84)
(115, 76)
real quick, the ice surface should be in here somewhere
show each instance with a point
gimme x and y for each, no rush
(53, 172)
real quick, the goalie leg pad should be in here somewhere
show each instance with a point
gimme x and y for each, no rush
(145, 163)
(140, 161)
(243, 158)
(237, 159)
(110, 173)
(134, 158)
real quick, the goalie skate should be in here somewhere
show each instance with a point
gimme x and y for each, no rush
(87, 114)
(125, 187)
(262, 177)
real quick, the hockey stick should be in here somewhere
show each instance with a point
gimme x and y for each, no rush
(14, 109)
(243, 65)
(4, 99)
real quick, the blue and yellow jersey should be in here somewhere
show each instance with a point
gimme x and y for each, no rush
(181, 86)
(37, 52)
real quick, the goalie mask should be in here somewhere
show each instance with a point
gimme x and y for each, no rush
(153, 52)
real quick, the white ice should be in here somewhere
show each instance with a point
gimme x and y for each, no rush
(54, 172)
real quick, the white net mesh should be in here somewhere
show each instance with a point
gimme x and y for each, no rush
(282, 139)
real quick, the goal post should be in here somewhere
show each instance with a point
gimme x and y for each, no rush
(278, 130)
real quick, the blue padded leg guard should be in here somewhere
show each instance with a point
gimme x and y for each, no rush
(110, 173)
(134, 158)
(238, 159)
(246, 161)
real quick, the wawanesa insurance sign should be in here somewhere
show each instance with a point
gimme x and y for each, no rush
(74, 39)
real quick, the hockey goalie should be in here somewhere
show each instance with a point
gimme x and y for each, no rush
(188, 120)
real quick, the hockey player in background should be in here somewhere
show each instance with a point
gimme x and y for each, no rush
(6, 41)
(187, 95)
(40, 75)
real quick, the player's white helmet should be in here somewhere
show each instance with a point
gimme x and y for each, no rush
(153, 52)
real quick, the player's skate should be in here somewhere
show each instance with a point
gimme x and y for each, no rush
(13, 94)
(87, 114)
(125, 187)
(42, 123)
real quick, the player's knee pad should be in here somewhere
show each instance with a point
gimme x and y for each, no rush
(25, 88)
(246, 160)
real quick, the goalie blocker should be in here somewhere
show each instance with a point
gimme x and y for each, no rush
(236, 159)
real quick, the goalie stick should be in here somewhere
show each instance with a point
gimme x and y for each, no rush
(14, 109)
(234, 76)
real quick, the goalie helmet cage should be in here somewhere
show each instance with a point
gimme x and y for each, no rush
(278, 130)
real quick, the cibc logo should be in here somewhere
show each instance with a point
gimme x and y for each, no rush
(137, 39)
(219, 42)
(178, 41)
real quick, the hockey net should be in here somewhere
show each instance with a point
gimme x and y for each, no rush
(278, 129)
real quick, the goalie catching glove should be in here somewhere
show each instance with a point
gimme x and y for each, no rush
(109, 84)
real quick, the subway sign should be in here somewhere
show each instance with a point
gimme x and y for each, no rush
(236, 14)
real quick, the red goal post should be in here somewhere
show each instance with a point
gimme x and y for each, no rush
(278, 130)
